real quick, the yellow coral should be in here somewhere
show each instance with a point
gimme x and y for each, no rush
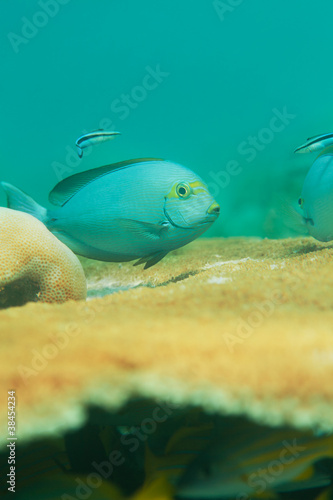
(30, 253)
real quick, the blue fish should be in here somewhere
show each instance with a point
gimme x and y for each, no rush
(93, 138)
(316, 201)
(136, 209)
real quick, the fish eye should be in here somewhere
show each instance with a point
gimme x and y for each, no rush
(183, 190)
(300, 202)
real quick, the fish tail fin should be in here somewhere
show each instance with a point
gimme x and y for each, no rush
(18, 200)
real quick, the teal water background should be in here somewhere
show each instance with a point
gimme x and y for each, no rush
(188, 81)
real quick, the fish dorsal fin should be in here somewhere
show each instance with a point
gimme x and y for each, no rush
(316, 137)
(67, 188)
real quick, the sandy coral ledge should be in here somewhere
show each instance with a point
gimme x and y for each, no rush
(235, 325)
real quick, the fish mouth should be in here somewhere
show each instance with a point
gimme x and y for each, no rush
(213, 213)
(214, 209)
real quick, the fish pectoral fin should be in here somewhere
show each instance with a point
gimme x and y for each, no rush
(290, 217)
(146, 229)
(151, 260)
(79, 151)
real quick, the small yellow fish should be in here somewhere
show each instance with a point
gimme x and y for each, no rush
(249, 460)
(163, 472)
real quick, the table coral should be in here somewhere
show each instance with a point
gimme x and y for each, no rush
(259, 344)
(230, 328)
(34, 263)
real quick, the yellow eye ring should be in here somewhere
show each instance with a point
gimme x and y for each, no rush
(183, 190)
(300, 202)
